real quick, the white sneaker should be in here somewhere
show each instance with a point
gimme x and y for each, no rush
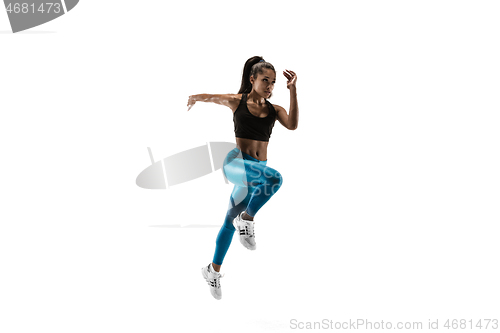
(213, 279)
(245, 229)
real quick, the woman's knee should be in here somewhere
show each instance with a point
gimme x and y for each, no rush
(274, 179)
(279, 181)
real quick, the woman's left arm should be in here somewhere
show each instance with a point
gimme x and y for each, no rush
(290, 121)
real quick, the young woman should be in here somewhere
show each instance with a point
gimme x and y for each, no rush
(245, 166)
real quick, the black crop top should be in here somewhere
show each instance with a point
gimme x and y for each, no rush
(248, 126)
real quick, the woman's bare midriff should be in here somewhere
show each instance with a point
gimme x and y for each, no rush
(256, 149)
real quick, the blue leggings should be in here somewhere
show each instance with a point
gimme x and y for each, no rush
(254, 184)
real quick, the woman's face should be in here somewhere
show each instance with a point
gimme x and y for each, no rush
(264, 83)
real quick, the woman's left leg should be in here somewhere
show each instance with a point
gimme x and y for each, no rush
(250, 172)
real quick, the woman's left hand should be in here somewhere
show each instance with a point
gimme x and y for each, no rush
(291, 77)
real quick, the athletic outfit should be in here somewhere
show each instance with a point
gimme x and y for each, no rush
(248, 126)
(254, 184)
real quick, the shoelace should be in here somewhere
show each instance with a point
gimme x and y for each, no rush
(248, 230)
(215, 282)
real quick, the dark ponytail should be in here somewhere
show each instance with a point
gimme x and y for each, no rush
(253, 66)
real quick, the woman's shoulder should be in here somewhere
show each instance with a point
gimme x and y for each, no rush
(277, 107)
(233, 101)
(234, 97)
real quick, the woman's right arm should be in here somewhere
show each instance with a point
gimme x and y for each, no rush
(229, 100)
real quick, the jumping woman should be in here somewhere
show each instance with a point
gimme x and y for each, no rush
(245, 166)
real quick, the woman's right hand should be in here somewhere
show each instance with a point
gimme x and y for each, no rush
(191, 102)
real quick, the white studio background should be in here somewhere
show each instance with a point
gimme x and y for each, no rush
(389, 207)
